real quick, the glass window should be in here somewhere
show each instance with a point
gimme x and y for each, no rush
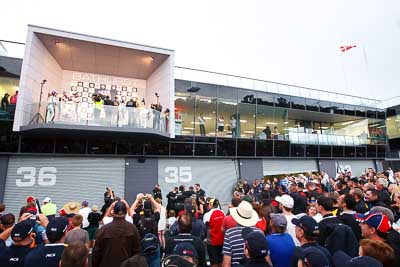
(360, 111)
(349, 151)
(182, 149)
(265, 122)
(245, 118)
(325, 151)
(281, 148)
(9, 141)
(227, 112)
(311, 151)
(265, 99)
(349, 110)
(381, 114)
(337, 151)
(202, 149)
(226, 147)
(298, 102)
(206, 117)
(371, 151)
(101, 146)
(264, 148)
(184, 114)
(325, 106)
(361, 151)
(297, 150)
(381, 151)
(36, 145)
(282, 101)
(337, 108)
(129, 147)
(156, 148)
(246, 147)
(312, 104)
(70, 146)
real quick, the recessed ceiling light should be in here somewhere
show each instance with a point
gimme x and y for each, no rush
(56, 41)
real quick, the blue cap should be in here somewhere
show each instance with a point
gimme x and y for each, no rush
(186, 249)
(22, 229)
(56, 228)
(308, 224)
(255, 242)
(342, 259)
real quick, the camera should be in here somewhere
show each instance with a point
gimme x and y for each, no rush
(156, 94)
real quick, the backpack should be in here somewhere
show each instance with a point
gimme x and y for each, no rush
(146, 225)
(149, 244)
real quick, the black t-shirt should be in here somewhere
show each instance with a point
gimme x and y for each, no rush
(47, 255)
(94, 218)
(13, 255)
(300, 202)
(147, 224)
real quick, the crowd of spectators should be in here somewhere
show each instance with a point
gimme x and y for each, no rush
(305, 220)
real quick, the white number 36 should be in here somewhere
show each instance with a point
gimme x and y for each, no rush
(46, 176)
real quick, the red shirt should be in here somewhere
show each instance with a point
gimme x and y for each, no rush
(214, 219)
(262, 224)
(229, 223)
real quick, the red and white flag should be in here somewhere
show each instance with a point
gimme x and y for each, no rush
(346, 47)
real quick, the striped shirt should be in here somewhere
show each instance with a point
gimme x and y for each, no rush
(234, 244)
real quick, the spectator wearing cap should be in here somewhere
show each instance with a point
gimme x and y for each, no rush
(215, 237)
(7, 221)
(109, 214)
(360, 206)
(286, 204)
(310, 251)
(30, 205)
(376, 226)
(117, 240)
(299, 198)
(233, 248)
(84, 211)
(94, 219)
(281, 245)
(347, 203)
(22, 237)
(188, 252)
(184, 236)
(379, 251)
(77, 234)
(325, 207)
(49, 255)
(342, 259)
(256, 248)
(75, 255)
(49, 209)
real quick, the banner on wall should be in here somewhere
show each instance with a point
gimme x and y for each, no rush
(216, 177)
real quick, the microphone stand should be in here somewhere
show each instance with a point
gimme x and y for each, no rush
(39, 116)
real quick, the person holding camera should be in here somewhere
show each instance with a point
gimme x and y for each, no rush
(108, 200)
(157, 192)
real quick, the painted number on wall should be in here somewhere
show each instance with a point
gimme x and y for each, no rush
(45, 177)
(178, 174)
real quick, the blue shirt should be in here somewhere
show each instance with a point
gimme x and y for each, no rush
(13, 256)
(281, 249)
(47, 255)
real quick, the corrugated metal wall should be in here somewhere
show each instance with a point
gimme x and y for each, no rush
(63, 179)
(216, 177)
(287, 166)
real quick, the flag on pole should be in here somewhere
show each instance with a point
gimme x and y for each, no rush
(346, 47)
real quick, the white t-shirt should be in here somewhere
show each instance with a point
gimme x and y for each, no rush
(107, 220)
(171, 221)
(291, 230)
(85, 212)
(162, 223)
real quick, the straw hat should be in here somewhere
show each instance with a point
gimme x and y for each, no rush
(244, 214)
(72, 207)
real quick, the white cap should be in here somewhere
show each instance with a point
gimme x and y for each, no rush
(286, 200)
(46, 200)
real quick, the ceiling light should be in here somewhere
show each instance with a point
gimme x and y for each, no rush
(188, 128)
(207, 118)
(347, 122)
(243, 121)
(185, 132)
(249, 132)
(272, 123)
(260, 127)
(285, 122)
(56, 42)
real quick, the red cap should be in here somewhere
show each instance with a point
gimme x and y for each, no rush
(30, 199)
(62, 212)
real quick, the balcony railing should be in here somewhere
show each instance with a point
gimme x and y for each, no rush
(83, 114)
(333, 139)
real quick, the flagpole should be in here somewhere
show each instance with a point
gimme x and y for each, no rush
(344, 72)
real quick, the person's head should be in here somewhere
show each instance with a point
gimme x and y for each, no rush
(244, 214)
(381, 183)
(357, 193)
(373, 225)
(347, 201)
(187, 251)
(394, 189)
(30, 200)
(371, 195)
(74, 255)
(310, 186)
(325, 204)
(56, 229)
(306, 229)
(378, 250)
(185, 223)
(312, 210)
(235, 202)
(286, 202)
(119, 210)
(7, 220)
(77, 220)
(171, 213)
(340, 258)
(85, 204)
(95, 208)
(22, 233)
(2, 207)
(256, 246)
(213, 203)
(278, 222)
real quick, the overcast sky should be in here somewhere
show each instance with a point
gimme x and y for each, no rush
(295, 42)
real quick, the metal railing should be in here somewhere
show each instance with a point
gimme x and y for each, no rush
(84, 114)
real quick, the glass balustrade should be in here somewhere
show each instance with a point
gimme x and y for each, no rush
(329, 139)
(84, 114)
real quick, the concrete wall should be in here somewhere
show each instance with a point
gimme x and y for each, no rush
(162, 82)
(38, 65)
